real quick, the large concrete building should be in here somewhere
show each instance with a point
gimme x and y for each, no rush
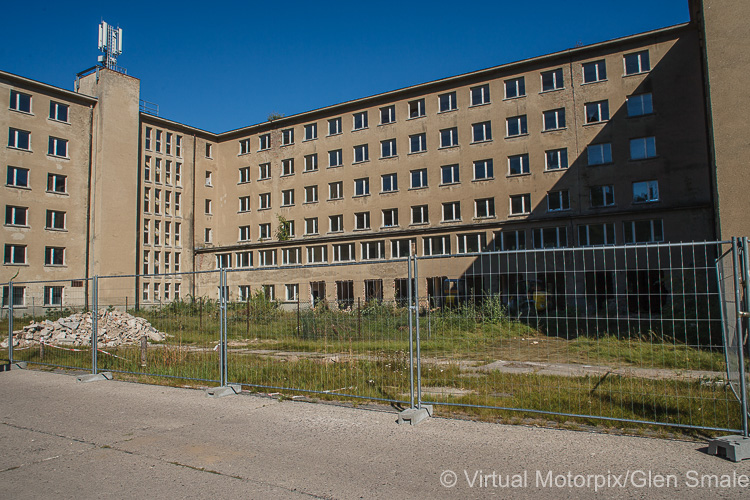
(634, 140)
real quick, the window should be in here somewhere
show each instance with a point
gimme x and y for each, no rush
(168, 172)
(317, 254)
(602, 196)
(53, 295)
(19, 294)
(335, 158)
(389, 183)
(447, 102)
(223, 261)
(597, 111)
(387, 115)
(554, 119)
(264, 142)
(362, 186)
(157, 201)
(417, 143)
(336, 223)
(419, 178)
(167, 238)
(515, 87)
(169, 144)
(178, 174)
(311, 162)
(644, 231)
(552, 80)
(267, 258)
(292, 292)
(480, 95)
(264, 232)
(481, 132)
(208, 235)
(449, 137)
(373, 250)
(513, 240)
(157, 173)
(146, 196)
(449, 174)
(520, 204)
(642, 148)
(558, 201)
(637, 62)
(484, 208)
(264, 171)
(311, 131)
(287, 197)
(390, 217)
(58, 111)
(360, 120)
(177, 227)
(244, 259)
(311, 225)
(244, 203)
(599, 154)
(19, 139)
(20, 101)
(334, 126)
(416, 108)
(402, 248)
(420, 214)
(54, 256)
(208, 206)
(388, 148)
(550, 237)
(145, 261)
(287, 137)
(518, 164)
(16, 216)
(362, 220)
(556, 159)
(290, 256)
(516, 125)
(452, 211)
(178, 153)
(639, 105)
(471, 243)
(15, 254)
(645, 191)
(595, 71)
(343, 252)
(157, 233)
(244, 146)
(436, 245)
(56, 220)
(264, 201)
(148, 139)
(361, 153)
(167, 202)
(19, 177)
(311, 194)
(483, 170)
(244, 175)
(147, 169)
(596, 234)
(335, 190)
(287, 166)
(209, 178)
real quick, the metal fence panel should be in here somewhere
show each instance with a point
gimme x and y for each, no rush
(616, 333)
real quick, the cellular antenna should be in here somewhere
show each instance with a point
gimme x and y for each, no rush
(110, 42)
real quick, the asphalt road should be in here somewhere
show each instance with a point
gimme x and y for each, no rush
(113, 439)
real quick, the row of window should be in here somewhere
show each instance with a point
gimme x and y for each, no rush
(172, 176)
(159, 233)
(22, 102)
(53, 296)
(156, 205)
(153, 263)
(21, 139)
(643, 231)
(19, 216)
(17, 255)
(158, 141)
(171, 291)
(19, 177)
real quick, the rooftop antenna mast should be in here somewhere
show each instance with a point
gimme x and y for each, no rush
(110, 42)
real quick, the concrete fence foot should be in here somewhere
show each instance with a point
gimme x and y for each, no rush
(94, 378)
(225, 390)
(734, 448)
(414, 415)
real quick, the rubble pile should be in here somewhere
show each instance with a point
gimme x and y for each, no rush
(115, 328)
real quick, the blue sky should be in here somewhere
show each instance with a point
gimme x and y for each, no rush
(224, 65)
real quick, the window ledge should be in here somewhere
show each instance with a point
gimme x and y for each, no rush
(20, 149)
(644, 159)
(390, 227)
(361, 161)
(387, 123)
(389, 192)
(55, 265)
(285, 145)
(21, 112)
(264, 149)
(514, 98)
(56, 229)
(452, 146)
(361, 195)
(310, 139)
(416, 117)
(481, 142)
(520, 215)
(310, 171)
(480, 104)
(244, 182)
(26, 188)
(359, 230)
(334, 134)
(484, 179)
(418, 188)
(335, 199)
(558, 129)
(417, 152)
(637, 74)
(58, 121)
(595, 81)
(17, 264)
(515, 136)
(388, 157)
(264, 208)
(522, 174)
(600, 122)
(452, 221)
(19, 226)
(552, 90)
(552, 170)
(359, 129)
(286, 175)
(335, 166)
(311, 234)
(310, 202)
(264, 178)
(244, 154)
(420, 223)
(646, 202)
(243, 211)
(600, 164)
(447, 111)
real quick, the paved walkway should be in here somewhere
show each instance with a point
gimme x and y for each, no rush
(115, 439)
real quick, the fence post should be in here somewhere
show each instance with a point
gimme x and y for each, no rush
(222, 382)
(410, 308)
(299, 330)
(247, 316)
(742, 320)
(359, 318)
(418, 353)
(95, 326)
(10, 322)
